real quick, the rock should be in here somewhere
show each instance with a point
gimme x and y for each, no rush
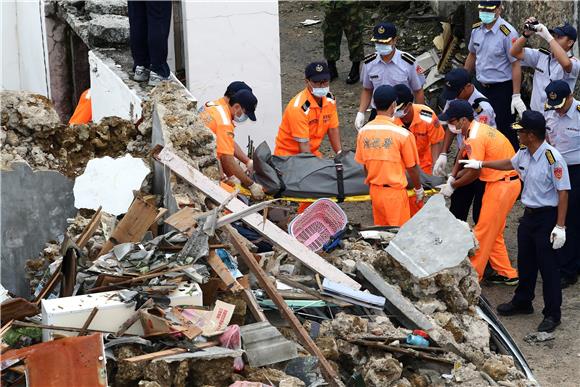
(378, 372)
(498, 367)
(348, 266)
(347, 325)
(291, 382)
(109, 30)
(382, 326)
(11, 138)
(328, 347)
(350, 355)
(114, 7)
(271, 375)
(159, 372)
(147, 383)
(27, 113)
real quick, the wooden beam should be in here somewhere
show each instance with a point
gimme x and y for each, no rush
(183, 220)
(275, 234)
(252, 304)
(155, 355)
(330, 376)
(223, 272)
(89, 229)
(88, 321)
(134, 317)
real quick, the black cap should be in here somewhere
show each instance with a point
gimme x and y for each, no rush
(247, 101)
(384, 96)
(384, 32)
(531, 120)
(455, 80)
(557, 92)
(235, 87)
(488, 5)
(457, 108)
(317, 71)
(404, 94)
(565, 30)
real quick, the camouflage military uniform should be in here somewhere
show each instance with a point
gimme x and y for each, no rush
(342, 16)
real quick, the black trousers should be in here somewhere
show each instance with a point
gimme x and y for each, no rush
(463, 197)
(500, 98)
(570, 254)
(149, 23)
(535, 253)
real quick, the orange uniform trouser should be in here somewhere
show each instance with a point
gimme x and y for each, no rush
(390, 205)
(498, 200)
(83, 113)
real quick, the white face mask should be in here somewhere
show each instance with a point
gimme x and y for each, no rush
(400, 113)
(383, 49)
(486, 17)
(320, 91)
(241, 118)
(453, 129)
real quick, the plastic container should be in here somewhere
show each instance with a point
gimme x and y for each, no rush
(318, 223)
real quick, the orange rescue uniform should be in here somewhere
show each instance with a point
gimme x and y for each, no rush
(428, 131)
(304, 120)
(84, 111)
(218, 119)
(501, 191)
(386, 150)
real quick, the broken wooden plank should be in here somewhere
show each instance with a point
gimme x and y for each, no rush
(155, 355)
(183, 220)
(16, 309)
(132, 228)
(223, 272)
(131, 320)
(403, 351)
(330, 375)
(230, 218)
(88, 321)
(252, 304)
(129, 282)
(275, 234)
(59, 328)
(54, 279)
(89, 229)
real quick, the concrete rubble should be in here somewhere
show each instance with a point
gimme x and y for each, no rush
(177, 305)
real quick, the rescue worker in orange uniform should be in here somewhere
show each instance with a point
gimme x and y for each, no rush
(386, 150)
(221, 121)
(482, 142)
(310, 116)
(83, 113)
(424, 124)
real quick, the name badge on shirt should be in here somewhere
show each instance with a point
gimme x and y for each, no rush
(374, 77)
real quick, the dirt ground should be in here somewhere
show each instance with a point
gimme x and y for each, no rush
(556, 362)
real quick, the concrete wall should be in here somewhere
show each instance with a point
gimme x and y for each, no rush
(34, 208)
(24, 50)
(236, 40)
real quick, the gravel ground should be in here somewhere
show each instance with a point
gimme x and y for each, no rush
(556, 362)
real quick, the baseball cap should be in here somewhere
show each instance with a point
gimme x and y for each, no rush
(237, 86)
(247, 101)
(455, 80)
(488, 5)
(384, 96)
(557, 92)
(384, 32)
(565, 30)
(457, 108)
(531, 120)
(317, 71)
(404, 94)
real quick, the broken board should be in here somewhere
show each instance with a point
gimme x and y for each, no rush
(275, 234)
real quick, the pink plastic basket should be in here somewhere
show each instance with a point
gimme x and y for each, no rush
(318, 223)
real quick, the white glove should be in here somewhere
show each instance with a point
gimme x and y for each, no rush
(419, 194)
(257, 191)
(450, 179)
(250, 166)
(440, 164)
(558, 237)
(446, 189)
(473, 164)
(542, 31)
(233, 181)
(518, 105)
(359, 121)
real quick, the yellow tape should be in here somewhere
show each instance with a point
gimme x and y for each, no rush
(348, 199)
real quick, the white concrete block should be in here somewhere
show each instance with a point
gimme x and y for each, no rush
(73, 311)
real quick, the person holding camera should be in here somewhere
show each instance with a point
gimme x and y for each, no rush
(554, 64)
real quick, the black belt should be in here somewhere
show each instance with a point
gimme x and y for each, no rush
(530, 210)
(488, 85)
(511, 178)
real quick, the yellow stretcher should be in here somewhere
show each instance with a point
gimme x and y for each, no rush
(359, 198)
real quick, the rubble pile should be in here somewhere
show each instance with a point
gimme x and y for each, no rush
(33, 133)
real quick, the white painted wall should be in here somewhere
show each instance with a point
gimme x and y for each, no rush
(236, 40)
(24, 50)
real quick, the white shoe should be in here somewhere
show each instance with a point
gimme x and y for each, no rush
(141, 74)
(155, 79)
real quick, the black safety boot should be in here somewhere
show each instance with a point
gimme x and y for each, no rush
(548, 324)
(332, 69)
(511, 309)
(354, 75)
